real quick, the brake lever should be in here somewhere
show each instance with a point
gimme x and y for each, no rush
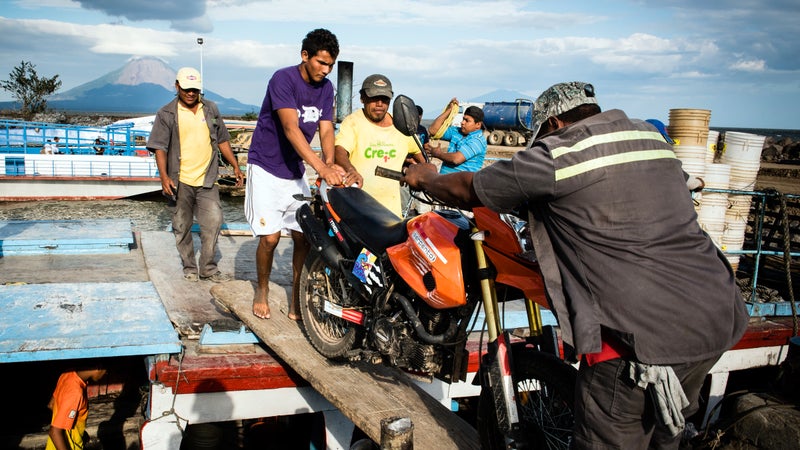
(302, 198)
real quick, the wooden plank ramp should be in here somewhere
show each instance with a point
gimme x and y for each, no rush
(365, 393)
(189, 304)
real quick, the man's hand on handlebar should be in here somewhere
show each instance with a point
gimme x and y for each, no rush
(416, 175)
(353, 178)
(333, 174)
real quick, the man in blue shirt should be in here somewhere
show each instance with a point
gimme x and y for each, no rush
(467, 144)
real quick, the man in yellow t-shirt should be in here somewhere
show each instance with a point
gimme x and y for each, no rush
(187, 137)
(367, 139)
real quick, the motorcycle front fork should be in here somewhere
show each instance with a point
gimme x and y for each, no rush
(496, 372)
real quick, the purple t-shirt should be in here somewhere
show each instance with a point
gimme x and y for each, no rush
(270, 149)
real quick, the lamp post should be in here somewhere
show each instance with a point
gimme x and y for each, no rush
(200, 42)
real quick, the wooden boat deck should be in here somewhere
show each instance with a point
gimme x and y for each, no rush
(49, 316)
(281, 375)
(364, 393)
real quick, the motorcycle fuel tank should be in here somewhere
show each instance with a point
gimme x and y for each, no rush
(430, 261)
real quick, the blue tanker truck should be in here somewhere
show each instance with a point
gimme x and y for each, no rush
(508, 123)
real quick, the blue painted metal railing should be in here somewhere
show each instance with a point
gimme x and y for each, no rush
(758, 230)
(142, 167)
(31, 137)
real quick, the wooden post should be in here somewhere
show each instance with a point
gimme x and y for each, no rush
(397, 433)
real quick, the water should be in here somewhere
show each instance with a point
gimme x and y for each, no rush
(776, 134)
(147, 213)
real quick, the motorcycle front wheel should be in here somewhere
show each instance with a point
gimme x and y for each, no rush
(545, 386)
(331, 336)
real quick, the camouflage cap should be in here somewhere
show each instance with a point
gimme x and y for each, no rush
(558, 99)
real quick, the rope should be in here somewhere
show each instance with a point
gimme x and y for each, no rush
(449, 120)
(171, 411)
(787, 261)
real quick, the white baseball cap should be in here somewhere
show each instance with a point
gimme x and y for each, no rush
(189, 78)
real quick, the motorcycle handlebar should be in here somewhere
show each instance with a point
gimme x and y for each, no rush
(388, 173)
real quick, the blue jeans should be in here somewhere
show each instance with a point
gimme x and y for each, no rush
(202, 203)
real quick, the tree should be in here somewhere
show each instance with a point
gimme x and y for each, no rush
(29, 89)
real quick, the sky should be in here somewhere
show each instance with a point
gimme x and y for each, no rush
(738, 58)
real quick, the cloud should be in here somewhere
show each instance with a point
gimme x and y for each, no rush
(184, 15)
(749, 66)
(35, 4)
(137, 10)
(103, 38)
(200, 24)
(638, 53)
(692, 74)
(758, 29)
(464, 17)
(255, 54)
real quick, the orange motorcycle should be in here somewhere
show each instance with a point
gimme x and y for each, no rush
(407, 292)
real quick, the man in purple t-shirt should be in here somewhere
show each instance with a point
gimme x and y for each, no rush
(298, 103)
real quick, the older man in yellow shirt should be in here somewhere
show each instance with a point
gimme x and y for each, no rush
(367, 139)
(187, 137)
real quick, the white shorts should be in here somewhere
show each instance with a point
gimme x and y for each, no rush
(268, 203)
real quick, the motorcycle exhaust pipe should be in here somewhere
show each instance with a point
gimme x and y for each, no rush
(317, 236)
(419, 328)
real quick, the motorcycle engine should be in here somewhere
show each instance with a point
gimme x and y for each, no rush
(394, 338)
(386, 336)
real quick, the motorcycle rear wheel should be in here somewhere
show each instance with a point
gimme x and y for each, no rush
(332, 336)
(545, 385)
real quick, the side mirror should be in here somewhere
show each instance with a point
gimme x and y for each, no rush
(405, 115)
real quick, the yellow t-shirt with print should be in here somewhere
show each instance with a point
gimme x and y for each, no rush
(371, 146)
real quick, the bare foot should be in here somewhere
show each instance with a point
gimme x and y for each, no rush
(261, 310)
(261, 305)
(294, 309)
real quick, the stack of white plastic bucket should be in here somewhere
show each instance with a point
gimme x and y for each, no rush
(711, 147)
(714, 205)
(713, 210)
(689, 129)
(723, 217)
(742, 152)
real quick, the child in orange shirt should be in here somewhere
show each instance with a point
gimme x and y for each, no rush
(70, 408)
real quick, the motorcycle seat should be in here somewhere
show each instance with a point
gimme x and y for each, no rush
(376, 226)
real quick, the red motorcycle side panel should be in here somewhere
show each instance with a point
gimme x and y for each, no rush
(431, 248)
